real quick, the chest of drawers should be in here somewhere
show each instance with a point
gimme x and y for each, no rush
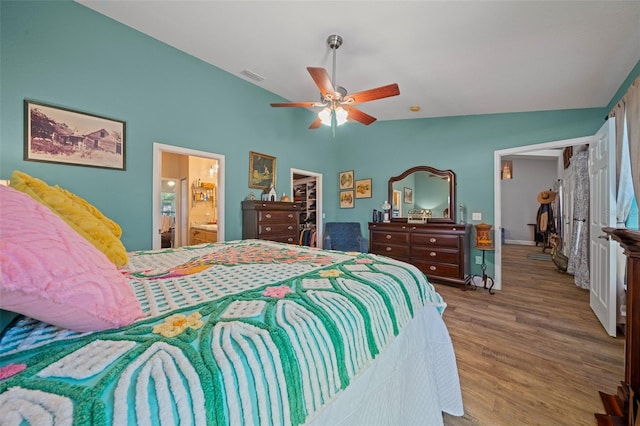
(439, 250)
(270, 220)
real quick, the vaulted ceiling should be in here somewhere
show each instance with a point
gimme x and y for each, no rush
(448, 57)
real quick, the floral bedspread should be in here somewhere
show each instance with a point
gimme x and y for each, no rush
(246, 332)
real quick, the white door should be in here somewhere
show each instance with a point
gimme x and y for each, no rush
(602, 172)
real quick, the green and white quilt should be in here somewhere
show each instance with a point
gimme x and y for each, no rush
(246, 332)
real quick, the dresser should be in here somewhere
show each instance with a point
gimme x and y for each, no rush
(440, 250)
(271, 220)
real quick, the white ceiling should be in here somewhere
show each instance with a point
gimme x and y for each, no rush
(449, 57)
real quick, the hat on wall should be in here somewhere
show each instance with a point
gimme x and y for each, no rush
(546, 197)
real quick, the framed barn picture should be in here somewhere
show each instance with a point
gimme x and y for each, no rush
(54, 134)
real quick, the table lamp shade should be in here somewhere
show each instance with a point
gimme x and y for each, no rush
(483, 236)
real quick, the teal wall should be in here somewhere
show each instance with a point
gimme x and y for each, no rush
(64, 54)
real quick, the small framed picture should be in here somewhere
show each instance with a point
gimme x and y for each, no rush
(408, 195)
(54, 134)
(346, 199)
(363, 188)
(346, 179)
(262, 170)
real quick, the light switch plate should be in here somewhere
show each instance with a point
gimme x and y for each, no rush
(476, 216)
(478, 260)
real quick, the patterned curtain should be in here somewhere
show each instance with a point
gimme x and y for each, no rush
(579, 252)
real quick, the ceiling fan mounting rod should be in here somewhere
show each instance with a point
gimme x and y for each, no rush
(334, 41)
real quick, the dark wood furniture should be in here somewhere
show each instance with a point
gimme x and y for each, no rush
(271, 220)
(622, 408)
(440, 250)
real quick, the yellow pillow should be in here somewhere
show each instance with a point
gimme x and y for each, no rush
(114, 227)
(76, 214)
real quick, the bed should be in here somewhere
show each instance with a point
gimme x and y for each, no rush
(241, 332)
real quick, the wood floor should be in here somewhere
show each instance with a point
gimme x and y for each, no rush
(533, 353)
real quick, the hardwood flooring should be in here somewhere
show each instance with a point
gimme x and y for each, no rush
(533, 353)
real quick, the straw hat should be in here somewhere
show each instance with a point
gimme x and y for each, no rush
(546, 197)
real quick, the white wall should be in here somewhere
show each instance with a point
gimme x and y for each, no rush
(519, 202)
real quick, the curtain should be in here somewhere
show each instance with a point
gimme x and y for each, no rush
(579, 253)
(627, 116)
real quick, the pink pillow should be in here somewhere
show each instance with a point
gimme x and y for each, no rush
(51, 273)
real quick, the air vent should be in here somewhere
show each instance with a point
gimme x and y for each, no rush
(252, 75)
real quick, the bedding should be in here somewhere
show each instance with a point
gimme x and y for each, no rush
(244, 332)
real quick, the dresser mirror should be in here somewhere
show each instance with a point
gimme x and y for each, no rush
(423, 190)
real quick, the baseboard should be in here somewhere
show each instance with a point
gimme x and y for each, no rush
(520, 242)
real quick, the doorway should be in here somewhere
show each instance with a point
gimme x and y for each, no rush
(499, 156)
(213, 197)
(306, 188)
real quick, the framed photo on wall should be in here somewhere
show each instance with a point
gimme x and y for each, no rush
(346, 199)
(262, 170)
(54, 134)
(408, 195)
(346, 179)
(363, 188)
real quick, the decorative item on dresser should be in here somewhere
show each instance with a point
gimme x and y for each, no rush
(440, 250)
(271, 220)
(622, 408)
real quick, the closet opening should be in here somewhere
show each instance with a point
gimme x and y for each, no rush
(306, 189)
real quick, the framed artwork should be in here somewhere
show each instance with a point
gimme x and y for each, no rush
(346, 179)
(363, 188)
(408, 195)
(346, 199)
(59, 135)
(262, 170)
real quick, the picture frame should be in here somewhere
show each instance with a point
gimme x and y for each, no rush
(55, 134)
(346, 199)
(408, 195)
(346, 179)
(262, 170)
(363, 188)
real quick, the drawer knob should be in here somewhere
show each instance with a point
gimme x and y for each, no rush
(289, 239)
(290, 228)
(433, 240)
(433, 268)
(432, 254)
(290, 215)
(268, 215)
(388, 236)
(268, 229)
(388, 249)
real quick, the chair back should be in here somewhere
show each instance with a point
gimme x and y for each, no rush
(343, 236)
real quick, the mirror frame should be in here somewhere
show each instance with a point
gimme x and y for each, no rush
(452, 191)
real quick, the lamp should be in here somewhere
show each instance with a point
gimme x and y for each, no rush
(326, 115)
(506, 171)
(386, 207)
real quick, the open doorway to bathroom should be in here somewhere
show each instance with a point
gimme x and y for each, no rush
(188, 196)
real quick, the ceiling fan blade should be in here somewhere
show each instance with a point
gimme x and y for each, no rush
(295, 104)
(316, 123)
(322, 80)
(373, 94)
(359, 116)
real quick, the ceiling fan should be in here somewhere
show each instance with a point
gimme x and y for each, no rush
(337, 105)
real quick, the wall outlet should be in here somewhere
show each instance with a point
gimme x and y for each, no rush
(476, 216)
(478, 260)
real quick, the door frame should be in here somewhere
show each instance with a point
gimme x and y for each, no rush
(158, 149)
(497, 190)
(319, 211)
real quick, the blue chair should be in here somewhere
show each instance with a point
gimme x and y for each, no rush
(344, 236)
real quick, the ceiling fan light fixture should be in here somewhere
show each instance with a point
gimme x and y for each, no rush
(340, 113)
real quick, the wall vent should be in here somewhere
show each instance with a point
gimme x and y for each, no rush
(252, 75)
